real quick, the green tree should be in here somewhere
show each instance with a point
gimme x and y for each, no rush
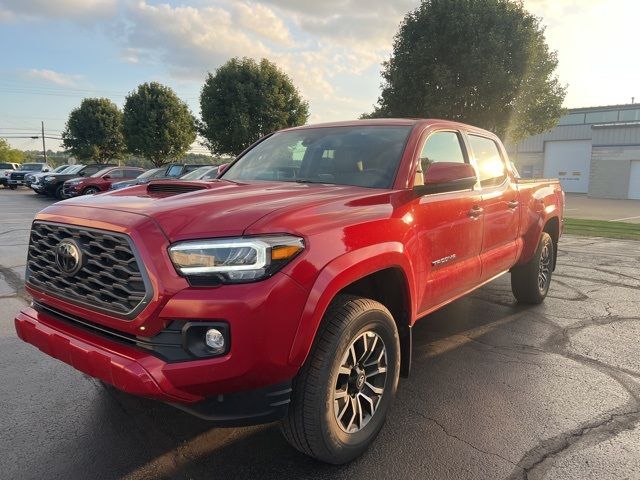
(246, 100)
(8, 154)
(94, 131)
(483, 62)
(158, 126)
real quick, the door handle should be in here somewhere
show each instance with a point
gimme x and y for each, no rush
(475, 211)
(513, 204)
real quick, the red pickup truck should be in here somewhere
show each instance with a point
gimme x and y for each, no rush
(287, 288)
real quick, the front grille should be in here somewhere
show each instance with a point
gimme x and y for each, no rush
(110, 279)
(17, 176)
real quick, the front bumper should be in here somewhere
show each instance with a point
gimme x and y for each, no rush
(71, 190)
(139, 373)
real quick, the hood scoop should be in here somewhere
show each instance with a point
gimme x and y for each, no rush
(167, 188)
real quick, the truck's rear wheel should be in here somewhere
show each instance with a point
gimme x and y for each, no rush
(345, 389)
(530, 282)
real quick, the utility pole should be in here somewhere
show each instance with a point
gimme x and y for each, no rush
(44, 148)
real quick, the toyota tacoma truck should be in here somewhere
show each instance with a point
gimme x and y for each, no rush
(287, 288)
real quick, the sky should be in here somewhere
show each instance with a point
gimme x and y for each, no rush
(57, 52)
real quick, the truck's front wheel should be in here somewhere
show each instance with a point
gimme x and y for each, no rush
(343, 393)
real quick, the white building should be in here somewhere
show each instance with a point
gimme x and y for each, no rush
(593, 150)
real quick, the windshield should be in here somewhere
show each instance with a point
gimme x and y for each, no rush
(102, 172)
(60, 169)
(32, 167)
(174, 171)
(197, 173)
(154, 172)
(363, 156)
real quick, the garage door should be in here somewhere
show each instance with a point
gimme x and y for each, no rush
(570, 162)
(634, 180)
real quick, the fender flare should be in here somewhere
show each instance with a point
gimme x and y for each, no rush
(338, 274)
(531, 238)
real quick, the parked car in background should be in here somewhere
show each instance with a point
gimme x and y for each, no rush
(287, 289)
(99, 181)
(145, 177)
(17, 177)
(53, 184)
(176, 170)
(32, 180)
(5, 171)
(203, 173)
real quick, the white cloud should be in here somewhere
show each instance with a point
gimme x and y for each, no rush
(62, 79)
(62, 9)
(323, 54)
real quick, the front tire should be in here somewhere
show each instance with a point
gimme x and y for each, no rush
(90, 191)
(530, 282)
(345, 389)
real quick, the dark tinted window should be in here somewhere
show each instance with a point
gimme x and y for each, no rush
(131, 173)
(490, 164)
(117, 173)
(91, 170)
(6, 166)
(364, 156)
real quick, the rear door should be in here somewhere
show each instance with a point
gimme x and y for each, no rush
(500, 206)
(449, 226)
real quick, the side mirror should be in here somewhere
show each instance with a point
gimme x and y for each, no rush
(106, 177)
(443, 177)
(81, 174)
(222, 168)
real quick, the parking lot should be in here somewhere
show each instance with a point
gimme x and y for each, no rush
(497, 390)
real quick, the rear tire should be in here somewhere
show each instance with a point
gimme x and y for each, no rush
(13, 187)
(530, 282)
(345, 389)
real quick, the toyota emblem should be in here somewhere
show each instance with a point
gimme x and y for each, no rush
(68, 257)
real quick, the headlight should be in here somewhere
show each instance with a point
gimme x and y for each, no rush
(72, 182)
(49, 178)
(234, 260)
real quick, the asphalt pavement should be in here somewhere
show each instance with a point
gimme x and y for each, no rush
(498, 391)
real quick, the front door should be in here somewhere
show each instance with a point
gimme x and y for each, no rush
(449, 228)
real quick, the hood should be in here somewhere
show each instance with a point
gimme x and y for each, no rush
(221, 208)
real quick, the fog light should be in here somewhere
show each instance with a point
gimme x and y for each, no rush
(214, 340)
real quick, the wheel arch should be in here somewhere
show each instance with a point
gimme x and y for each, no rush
(366, 272)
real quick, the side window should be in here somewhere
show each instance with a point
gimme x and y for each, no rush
(131, 173)
(90, 170)
(490, 164)
(441, 147)
(117, 173)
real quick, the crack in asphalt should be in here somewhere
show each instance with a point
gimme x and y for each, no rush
(537, 460)
(451, 435)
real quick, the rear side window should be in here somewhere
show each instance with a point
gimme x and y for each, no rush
(441, 147)
(117, 173)
(490, 163)
(131, 173)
